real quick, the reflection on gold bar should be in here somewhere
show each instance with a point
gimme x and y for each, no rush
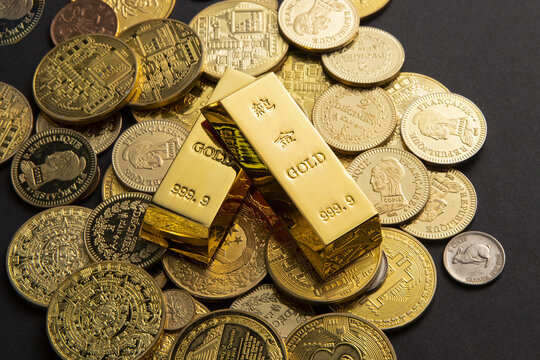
(199, 197)
(297, 173)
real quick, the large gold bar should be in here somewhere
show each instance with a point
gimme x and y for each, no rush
(297, 173)
(201, 193)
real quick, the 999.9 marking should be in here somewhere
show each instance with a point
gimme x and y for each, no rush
(189, 194)
(336, 209)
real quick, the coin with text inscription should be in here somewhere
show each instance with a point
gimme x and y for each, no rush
(180, 309)
(18, 18)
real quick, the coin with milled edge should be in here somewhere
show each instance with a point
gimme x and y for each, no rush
(380, 276)
(104, 311)
(111, 186)
(408, 288)
(474, 258)
(395, 181)
(53, 168)
(112, 231)
(338, 337)
(229, 334)
(143, 153)
(367, 8)
(374, 58)
(443, 128)
(18, 18)
(180, 309)
(354, 120)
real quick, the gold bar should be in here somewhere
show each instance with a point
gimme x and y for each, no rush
(201, 193)
(297, 173)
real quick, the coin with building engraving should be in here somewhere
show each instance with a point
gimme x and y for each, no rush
(53, 168)
(112, 231)
(395, 181)
(111, 186)
(143, 153)
(354, 120)
(338, 337)
(367, 8)
(18, 18)
(16, 121)
(108, 310)
(474, 258)
(180, 309)
(240, 35)
(409, 286)
(229, 334)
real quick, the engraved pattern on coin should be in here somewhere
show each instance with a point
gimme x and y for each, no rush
(180, 309)
(106, 310)
(45, 250)
(18, 18)
(111, 185)
(366, 8)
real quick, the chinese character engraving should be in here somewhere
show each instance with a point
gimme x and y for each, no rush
(261, 107)
(285, 139)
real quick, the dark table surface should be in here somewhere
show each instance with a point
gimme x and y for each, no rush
(486, 51)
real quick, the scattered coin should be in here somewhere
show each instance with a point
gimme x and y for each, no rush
(180, 309)
(271, 4)
(380, 276)
(367, 8)
(474, 258)
(93, 185)
(200, 309)
(18, 18)
(111, 186)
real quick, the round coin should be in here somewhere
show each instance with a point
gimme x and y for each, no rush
(104, 311)
(354, 120)
(271, 4)
(54, 168)
(144, 152)
(17, 121)
(247, 337)
(283, 313)
(241, 35)
(180, 309)
(395, 181)
(474, 258)
(83, 17)
(111, 186)
(85, 79)
(338, 337)
(159, 275)
(380, 276)
(45, 250)
(18, 18)
(443, 128)
(112, 231)
(374, 58)
(408, 289)
(369, 7)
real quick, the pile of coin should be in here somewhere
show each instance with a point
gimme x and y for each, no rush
(396, 133)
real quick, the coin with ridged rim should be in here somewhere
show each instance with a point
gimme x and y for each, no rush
(19, 18)
(367, 8)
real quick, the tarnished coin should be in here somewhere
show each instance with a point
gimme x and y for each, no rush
(318, 25)
(474, 258)
(16, 121)
(229, 334)
(338, 337)
(143, 153)
(369, 7)
(170, 55)
(180, 309)
(380, 276)
(293, 273)
(111, 185)
(450, 208)
(443, 128)
(83, 17)
(100, 135)
(45, 250)
(354, 120)
(374, 58)
(237, 267)
(112, 231)
(53, 168)
(408, 289)
(271, 4)
(18, 18)
(104, 311)
(395, 181)
(85, 79)
(240, 35)
(283, 313)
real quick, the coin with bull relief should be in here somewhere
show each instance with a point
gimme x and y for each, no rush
(474, 258)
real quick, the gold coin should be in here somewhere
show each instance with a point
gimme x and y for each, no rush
(45, 250)
(318, 25)
(18, 18)
(338, 337)
(111, 185)
(294, 275)
(170, 56)
(369, 7)
(303, 76)
(354, 120)
(374, 58)
(408, 288)
(85, 79)
(17, 120)
(395, 181)
(104, 311)
(450, 208)
(404, 90)
(345, 159)
(241, 35)
(443, 128)
(200, 309)
(180, 309)
(271, 4)
(159, 275)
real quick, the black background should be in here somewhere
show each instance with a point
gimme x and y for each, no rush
(486, 51)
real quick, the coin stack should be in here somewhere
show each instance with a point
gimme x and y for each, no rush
(111, 294)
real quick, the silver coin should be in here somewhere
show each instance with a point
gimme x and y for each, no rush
(474, 258)
(380, 276)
